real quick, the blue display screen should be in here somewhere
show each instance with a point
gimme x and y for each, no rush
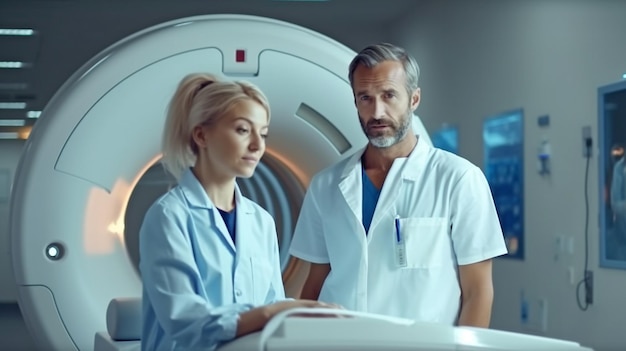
(612, 175)
(503, 138)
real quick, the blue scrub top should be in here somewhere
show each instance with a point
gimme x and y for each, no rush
(370, 199)
(229, 220)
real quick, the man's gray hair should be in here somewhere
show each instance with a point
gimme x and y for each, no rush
(377, 53)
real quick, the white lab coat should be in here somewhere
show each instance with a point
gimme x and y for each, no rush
(446, 215)
(196, 280)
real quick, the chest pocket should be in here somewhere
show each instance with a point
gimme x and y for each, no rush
(261, 279)
(427, 241)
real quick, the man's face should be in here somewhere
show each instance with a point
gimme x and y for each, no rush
(384, 106)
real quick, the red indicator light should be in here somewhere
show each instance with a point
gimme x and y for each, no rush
(240, 55)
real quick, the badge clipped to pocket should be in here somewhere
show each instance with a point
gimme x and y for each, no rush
(400, 245)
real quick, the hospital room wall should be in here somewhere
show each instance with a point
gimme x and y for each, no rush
(10, 151)
(481, 58)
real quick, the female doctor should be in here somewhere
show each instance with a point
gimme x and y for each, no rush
(209, 256)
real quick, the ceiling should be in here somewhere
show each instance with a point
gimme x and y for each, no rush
(69, 32)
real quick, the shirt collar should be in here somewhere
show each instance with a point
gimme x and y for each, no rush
(197, 196)
(415, 158)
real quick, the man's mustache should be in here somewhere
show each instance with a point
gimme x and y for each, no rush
(380, 122)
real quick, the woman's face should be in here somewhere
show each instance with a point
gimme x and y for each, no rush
(233, 146)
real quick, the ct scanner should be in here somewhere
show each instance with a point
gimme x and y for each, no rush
(100, 133)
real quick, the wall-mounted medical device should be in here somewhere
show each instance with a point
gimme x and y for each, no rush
(544, 156)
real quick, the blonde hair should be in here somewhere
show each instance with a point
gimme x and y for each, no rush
(200, 98)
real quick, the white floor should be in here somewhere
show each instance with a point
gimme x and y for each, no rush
(13, 333)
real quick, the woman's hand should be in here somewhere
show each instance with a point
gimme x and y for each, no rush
(281, 306)
(255, 319)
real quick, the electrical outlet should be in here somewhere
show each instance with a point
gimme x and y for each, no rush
(588, 287)
(587, 140)
(571, 273)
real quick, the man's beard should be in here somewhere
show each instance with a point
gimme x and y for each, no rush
(400, 131)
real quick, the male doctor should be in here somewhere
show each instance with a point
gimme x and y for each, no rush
(399, 228)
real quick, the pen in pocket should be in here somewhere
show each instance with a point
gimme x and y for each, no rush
(397, 222)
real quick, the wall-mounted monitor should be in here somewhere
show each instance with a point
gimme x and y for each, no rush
(503, 140)
(612, 178)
